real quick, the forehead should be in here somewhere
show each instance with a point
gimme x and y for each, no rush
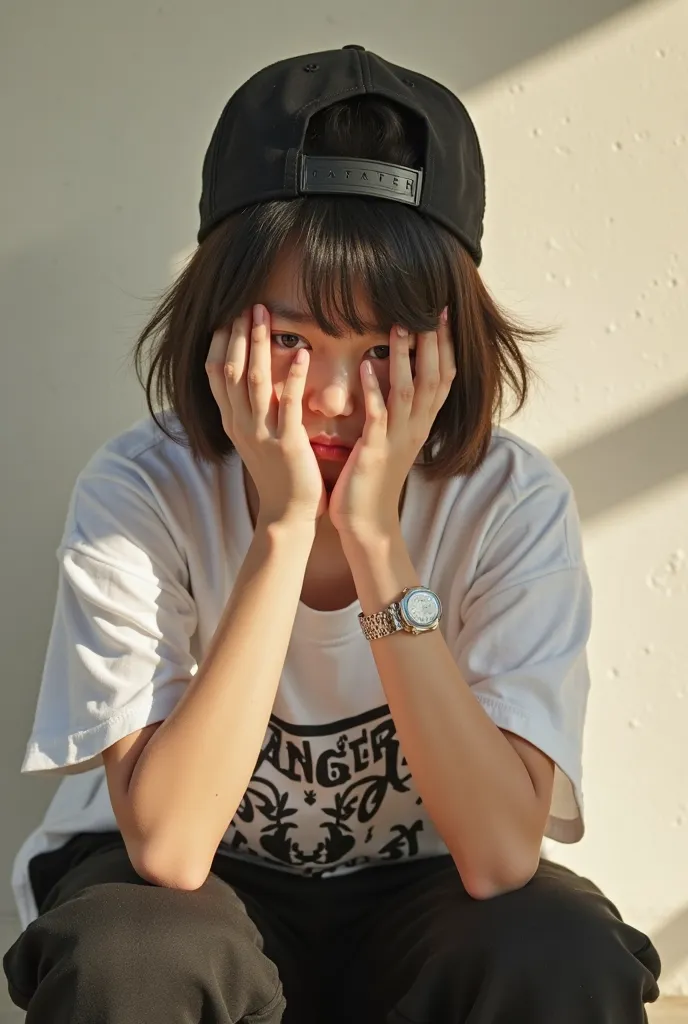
(283, 294)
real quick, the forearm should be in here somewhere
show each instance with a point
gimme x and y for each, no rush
(474, 785)
(194, 771)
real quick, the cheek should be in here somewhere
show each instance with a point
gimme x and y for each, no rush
(280, 372)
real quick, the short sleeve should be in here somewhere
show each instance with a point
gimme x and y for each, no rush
(526, 620)
(119, 650)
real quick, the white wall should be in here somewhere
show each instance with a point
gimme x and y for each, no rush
(583, 115)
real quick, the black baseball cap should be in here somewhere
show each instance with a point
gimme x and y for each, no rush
(256, 150)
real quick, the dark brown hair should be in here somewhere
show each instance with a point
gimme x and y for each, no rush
(408, 265)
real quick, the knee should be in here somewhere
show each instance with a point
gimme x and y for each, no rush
(572, 942)
(124, 949)
(566, 943)
(148, 929)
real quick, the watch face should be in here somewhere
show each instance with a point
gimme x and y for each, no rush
(422, 607)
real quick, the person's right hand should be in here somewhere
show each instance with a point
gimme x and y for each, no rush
(268, 433)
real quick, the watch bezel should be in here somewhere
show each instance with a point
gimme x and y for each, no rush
(409, 622)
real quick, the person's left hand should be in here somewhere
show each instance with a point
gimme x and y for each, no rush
(365, 499)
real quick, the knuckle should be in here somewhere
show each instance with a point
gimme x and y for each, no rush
(231, 371)
(255, 378)
(406, 393)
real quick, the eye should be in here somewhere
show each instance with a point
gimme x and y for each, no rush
(284, 345)
(386, 350)
(289, 342)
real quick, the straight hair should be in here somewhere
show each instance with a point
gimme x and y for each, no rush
(408, 266)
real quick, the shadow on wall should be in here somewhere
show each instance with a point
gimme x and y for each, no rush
(511, 33)
(64, 390)
(621, 464)
(607, 472)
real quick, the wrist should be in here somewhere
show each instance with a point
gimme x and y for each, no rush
(370, 536)
(285, 531)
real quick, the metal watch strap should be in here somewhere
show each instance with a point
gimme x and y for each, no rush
(382, 623)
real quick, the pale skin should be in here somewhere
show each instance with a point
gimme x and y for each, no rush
(337, 538)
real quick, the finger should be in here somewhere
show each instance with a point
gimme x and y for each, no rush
(259, 376)
(427, 378)
(402, 387)
(375, 427)
(224, 365)
(447, 366)
(235, 367)
(290, 411)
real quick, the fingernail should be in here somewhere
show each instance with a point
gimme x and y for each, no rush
(444, 315)
(402, 332)
(259, 314)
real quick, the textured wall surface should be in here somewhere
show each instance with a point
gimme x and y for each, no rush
(588, 151)
(582, 112)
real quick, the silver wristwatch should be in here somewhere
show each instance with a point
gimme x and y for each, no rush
(418, 610)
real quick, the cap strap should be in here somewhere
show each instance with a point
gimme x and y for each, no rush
(327, 174)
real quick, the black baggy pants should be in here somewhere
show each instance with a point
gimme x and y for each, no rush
(395, 944)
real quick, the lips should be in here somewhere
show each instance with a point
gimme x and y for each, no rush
(328, 450)
(333, 442)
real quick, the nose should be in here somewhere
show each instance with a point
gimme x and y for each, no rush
(330, 391)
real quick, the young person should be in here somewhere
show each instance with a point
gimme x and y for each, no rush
(317, 672)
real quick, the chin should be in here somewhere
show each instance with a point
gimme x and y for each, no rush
(330, 473)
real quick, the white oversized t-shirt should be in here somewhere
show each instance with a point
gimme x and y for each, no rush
(152, 545)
